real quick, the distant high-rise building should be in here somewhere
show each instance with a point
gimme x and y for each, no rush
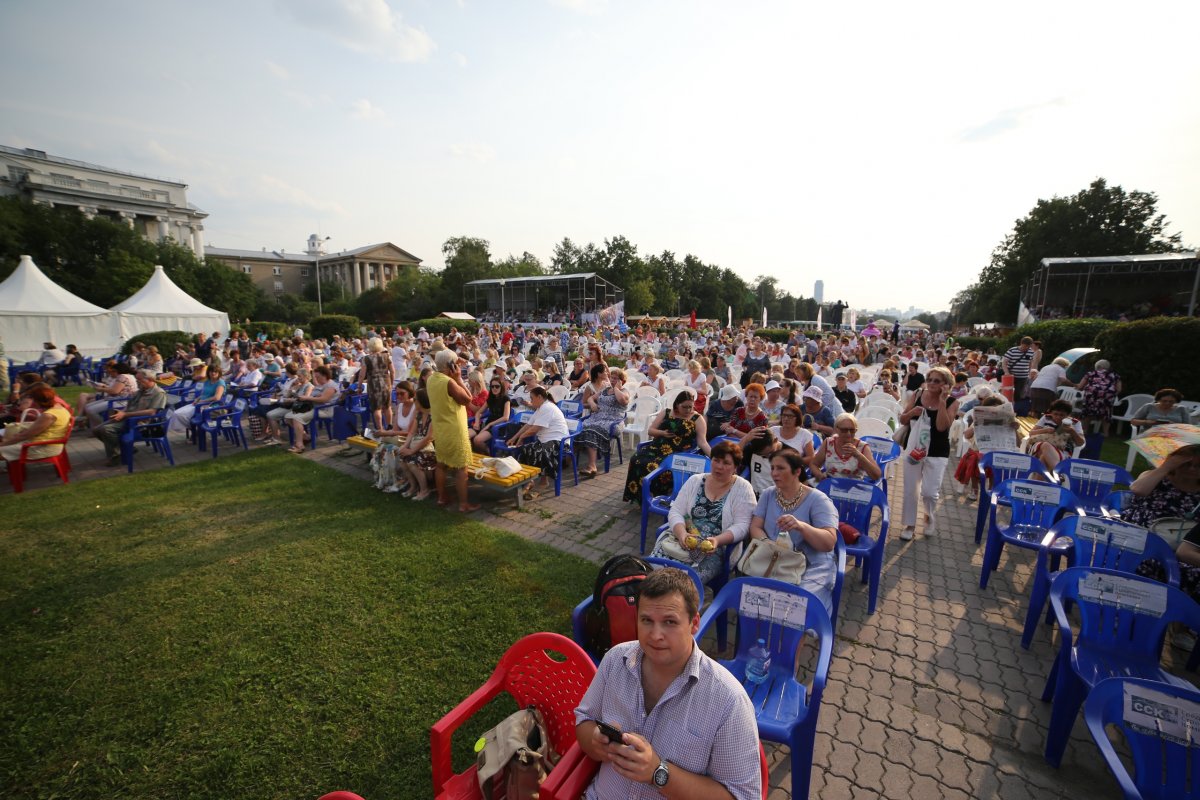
(819, 292)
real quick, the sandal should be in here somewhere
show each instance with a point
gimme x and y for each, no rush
(296, 450)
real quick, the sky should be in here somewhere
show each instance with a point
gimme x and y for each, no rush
(884, 148)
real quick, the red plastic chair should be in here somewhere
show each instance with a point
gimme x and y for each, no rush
(62, 464)
(531, 677)
(570, 777)
(340, 796)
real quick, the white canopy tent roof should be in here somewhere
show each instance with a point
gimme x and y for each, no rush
(35, 310)
(160, 305)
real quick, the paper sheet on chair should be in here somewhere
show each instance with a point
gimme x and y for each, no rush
(1010, 460)
(1036, 493)
(1158, 714)
(1087, 472)
(855, 494)
(1121, 535)
(1112, 590)
(769, 604)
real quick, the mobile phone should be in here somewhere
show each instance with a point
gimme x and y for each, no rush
(609, 732)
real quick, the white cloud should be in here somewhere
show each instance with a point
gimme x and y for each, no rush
(481, 153)
(1007, 120)
(461, 60)
(365, 26)
(582, 6)
(277, 70)
(365, 110)
(165, 156)
(280, 191)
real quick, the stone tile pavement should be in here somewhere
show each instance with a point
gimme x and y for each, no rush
(931, 696)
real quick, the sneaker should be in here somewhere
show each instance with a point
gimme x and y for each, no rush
(973, 495)
(1184, 640)
(931, 529)
(391, 489)
(906, 535)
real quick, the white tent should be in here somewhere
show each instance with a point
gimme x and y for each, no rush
(35, 310)
(160, 305)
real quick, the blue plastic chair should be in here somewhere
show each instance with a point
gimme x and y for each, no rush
(314, 425)
(1115, 502)
(856, 502)
(566, 448)
(1036, 506)
(1091, 481)
(1093, 542)
(498, 444)
(997, 467)
(579, 614)
(785, 709)
(1165, 767)
(153, 431)
(571, 409)
(1117, 638)
(223, 423)
(885, 451)
(614, 437)
(681, 466)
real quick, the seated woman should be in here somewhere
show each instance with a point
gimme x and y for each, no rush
(655, 377)
(711, 512)
(417, 458)
(698, 382)
(118, 383)
(750, 415)
(806, 516)
(552, 377)
(1172, 489)
(607, 407)
(484, 426)
(322, 390)
(151, 359)
(479, 393)
(1055, 435)
(536, 443)
(1165, 410)
(52, 422)
(297, 384)
(843, 455)
(790, 433)
(675, 430)
(211, 391)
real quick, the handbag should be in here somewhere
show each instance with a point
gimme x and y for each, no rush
(767, 558)
(302, 407)
(516, 754)
(670, 547)
(504, 467)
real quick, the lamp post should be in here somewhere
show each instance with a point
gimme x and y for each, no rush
(502, 301)
(320, 306)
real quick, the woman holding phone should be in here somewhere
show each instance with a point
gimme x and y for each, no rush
(929, 414)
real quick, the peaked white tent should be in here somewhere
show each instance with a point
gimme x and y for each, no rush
(35, 310)
(160, 305)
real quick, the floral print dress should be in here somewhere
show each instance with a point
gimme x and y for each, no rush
(681, 438)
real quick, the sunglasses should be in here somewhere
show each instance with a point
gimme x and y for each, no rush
(846, 430)
(497, 386)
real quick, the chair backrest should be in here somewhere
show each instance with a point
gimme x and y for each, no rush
(572, 409)
(878, 412)
(1071, 395)
(559, 392)
(1193, 409)
(855, 501)
(574, 425)
(1130, 403)
(1091, 481)
(780, 614)
(684, 466)
(1114, 544)
(648, 391)
(999, 466)
(868, 426)
(1120, 612)
(1035, 503)
(1151, 715)
(884, 449)
(1116, 501)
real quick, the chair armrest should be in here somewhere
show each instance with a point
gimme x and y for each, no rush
(648, 480)
(578, 614)
(571, 775)
(442, 732)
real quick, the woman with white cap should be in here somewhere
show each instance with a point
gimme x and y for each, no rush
(721, 411)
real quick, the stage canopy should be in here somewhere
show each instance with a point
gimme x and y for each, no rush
(1112, 286)
(574, 295)
(35, 310)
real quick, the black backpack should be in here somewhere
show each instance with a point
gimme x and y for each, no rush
(612, 616)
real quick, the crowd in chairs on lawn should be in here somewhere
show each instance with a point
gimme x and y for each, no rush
(760, 472)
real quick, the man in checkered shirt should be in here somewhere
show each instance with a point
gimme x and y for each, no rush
(687, 725)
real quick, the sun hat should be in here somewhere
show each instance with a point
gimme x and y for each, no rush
(730, 393)
(195, 362)
(773, 385)
(815, 393)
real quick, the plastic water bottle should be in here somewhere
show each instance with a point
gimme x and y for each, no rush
(760, 662)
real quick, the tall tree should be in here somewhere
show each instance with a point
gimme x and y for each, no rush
(467, 259)
(1101, 220)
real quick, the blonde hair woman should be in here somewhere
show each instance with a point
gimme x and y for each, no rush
(929, 413)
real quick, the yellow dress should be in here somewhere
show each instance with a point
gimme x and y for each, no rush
(450, 439)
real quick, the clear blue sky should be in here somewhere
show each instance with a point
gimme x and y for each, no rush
(885, 148)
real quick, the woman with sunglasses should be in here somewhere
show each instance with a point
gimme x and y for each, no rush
(498, 409)
(607, 405)
(930, 412)
(843, 455)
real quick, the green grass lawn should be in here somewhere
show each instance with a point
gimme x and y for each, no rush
(256, 626)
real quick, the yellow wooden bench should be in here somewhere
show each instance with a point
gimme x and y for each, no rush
(1026, 425)
(516, 481)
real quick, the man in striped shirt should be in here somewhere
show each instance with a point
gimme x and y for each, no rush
(1017, 363)
(687, 726)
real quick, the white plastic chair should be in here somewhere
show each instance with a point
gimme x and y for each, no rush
(882, 413)
(1133, 403)
(559, 392)
(674, 375)
(1071, 395)
(647, 391)
(869, 426)
(637, 420)
(973, 382)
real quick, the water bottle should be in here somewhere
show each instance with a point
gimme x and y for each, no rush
(760, 663)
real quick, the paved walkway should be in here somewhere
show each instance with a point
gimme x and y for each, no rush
(931, 696)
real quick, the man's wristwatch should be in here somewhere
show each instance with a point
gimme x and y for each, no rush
(662, 774)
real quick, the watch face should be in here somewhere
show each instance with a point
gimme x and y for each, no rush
(661, 775)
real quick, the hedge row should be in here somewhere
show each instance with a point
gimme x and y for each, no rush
(165, 341)
(331, 325)
(1154, 353)
(1057, 335)
(273, 330)
(441, 326)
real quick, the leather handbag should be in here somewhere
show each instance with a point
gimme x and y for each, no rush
(773, 558)
(670, 547)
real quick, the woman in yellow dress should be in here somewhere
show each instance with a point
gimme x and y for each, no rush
(448, 399)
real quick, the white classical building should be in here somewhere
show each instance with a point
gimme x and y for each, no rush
(357, 270)
(156, 208)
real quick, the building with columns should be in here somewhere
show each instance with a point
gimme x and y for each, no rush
(277, 272)
(156, 208)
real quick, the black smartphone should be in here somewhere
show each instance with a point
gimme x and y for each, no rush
(609, 732)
